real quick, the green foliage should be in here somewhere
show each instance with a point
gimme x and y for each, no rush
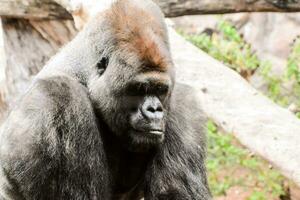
(227, 46)
(256, 195)
(293, 70)
(229, 31)
(226, 158)
(293, 73)
(274, 84)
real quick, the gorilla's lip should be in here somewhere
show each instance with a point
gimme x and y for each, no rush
(150, 131)
(156, 132)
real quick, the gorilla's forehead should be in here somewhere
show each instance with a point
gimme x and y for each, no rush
(140, 32)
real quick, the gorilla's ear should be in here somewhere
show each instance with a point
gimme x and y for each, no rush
(102, 65)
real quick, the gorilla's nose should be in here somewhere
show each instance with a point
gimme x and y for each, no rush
(152, 109)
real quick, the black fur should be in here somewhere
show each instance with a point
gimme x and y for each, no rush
(105, 119)
(51, 146)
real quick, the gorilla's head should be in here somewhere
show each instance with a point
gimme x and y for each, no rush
(133, 79)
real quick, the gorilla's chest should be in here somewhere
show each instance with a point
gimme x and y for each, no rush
(128, 170)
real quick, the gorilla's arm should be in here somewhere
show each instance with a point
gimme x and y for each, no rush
(178, 171)
(50, 145)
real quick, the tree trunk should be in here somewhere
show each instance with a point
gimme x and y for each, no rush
(28, 45)
(45, 9)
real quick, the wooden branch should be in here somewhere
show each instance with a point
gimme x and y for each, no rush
(174, 8)
(171, 8)
(44, 9)
(29, 44)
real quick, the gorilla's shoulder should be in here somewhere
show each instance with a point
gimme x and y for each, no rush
(60, 87)
(52, 96)
(54, 92)
(184, 97)
(47, 103)
(187, 110)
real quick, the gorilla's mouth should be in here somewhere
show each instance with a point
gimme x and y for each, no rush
(144, 140)
(155, 132)
(150, 132)
(152, 136)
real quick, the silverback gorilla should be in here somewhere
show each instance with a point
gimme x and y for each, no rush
(104, 119)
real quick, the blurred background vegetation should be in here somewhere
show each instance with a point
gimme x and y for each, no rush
(234, 171)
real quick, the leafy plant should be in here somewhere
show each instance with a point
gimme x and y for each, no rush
(226, 45)
(293, 70)
(274, 84)
(293, 74)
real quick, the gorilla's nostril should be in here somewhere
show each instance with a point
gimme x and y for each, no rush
(159, 109)
(151, 109)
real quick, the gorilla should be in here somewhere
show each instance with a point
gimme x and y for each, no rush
(105, 119)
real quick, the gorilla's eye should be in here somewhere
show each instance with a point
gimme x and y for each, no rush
(102, 65)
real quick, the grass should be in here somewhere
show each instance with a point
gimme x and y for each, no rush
(230, 165)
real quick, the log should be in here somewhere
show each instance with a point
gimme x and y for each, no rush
(29, 44)
(42, 9)
(172, 8)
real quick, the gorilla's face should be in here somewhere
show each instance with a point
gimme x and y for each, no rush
(133, 80)
(132, 97)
